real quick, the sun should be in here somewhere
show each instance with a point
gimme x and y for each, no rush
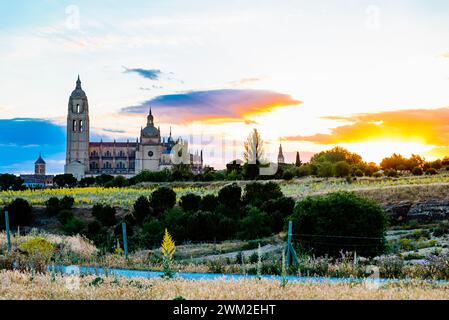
(375, 151)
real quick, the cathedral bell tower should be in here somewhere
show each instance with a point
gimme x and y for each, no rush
(77, 153)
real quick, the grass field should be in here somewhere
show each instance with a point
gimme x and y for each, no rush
(380, 189)
(17, 285)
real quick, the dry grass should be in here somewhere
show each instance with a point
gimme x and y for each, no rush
(16, 285)
(79, 245)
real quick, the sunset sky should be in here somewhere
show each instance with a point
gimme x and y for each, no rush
(371, 76)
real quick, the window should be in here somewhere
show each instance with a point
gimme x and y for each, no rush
(78, 108)
(81, 126)
(74, 125)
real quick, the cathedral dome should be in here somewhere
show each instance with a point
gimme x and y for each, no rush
(150, 131)
(78, 92)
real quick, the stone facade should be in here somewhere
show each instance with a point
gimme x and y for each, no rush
(151, 152)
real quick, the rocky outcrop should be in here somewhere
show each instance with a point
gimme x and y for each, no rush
(429, 211)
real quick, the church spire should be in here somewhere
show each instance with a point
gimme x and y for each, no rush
(78, 83)
(281, 155)
(150, 119)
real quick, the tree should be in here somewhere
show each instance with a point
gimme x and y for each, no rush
(341, 169)
(335, 155)
(10, 182)
(142, 209)
(65, 180)
(340, 221)
(253, 148)
(190, 202)
(325, 169)
(230, 196)
(20, 213)
(298, 161)
(162, 199)
(254, 225)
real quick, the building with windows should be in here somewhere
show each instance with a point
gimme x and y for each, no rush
(39, 179)
(149, 152)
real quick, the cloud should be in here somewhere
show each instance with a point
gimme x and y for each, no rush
(214, 105)
(152, 74)
(426, 126)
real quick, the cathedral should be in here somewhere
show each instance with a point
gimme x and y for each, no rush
(150, 152)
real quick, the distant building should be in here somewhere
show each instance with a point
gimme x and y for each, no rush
(151, 152)
(39, 179)
(281, 159)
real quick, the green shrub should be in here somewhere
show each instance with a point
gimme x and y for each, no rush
(190, 202)
(287, 175)
(20, 213)
(52, 206)
(431, 171)
(162, 199)
(230, 196)
(377, 175)
(417, 171)
(209, 203)
(142, 209)
(64, 216)
(74, 226)
(105, 214)
(277, 210)
(257, 193)
(254, 225)
(340, 221)
(203, 225)
(358, 173)
(341, 169)
(66, 203)
(391, 173)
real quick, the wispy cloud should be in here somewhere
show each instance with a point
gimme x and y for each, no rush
(152, 74)
(214, 105)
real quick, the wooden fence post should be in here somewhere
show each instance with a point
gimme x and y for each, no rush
(125, 240)
(8, 232)
(289, 250)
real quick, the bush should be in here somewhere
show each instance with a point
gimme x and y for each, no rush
(341, 169)
(20, 213)
(304, 170)
(324, 169)
(358, 173)
(152, 230)
(355, 223)
(74, 226)
(190, 202)
(230, 196)
(52, 206)
(162, 199)
(391, 173)
(176, 220)
(142, 209)
(203, 225)
(277, 210)
(209, 203)
(257, 193)
(377, 175)
(254, 225)
(104, 214)
(417, 171)
(287, 175)
(39, 251)
(64, 216)
(93, 228)
(431, 171)
(66, 203)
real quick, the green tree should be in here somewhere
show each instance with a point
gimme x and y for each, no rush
(341, 169)
(162, 199)
(340, 221)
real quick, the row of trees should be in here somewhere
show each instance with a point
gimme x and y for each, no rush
(322, 224)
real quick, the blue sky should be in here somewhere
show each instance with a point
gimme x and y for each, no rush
(297, 70)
